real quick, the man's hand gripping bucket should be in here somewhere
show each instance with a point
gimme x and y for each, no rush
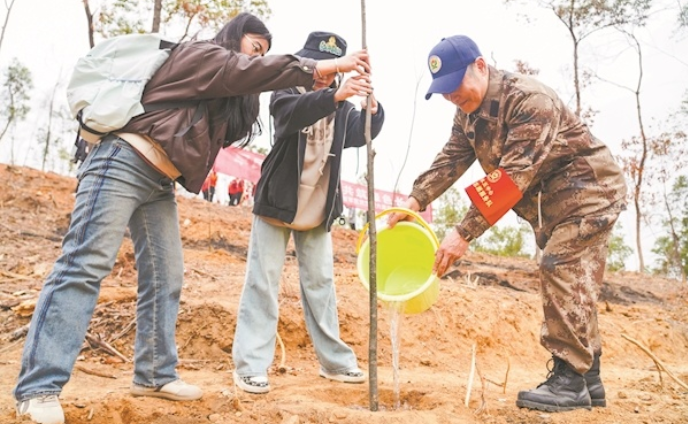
(405, 255)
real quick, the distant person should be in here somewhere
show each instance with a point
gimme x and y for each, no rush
(128, 179)
(235, 190)
(212, 185)
(352, 218)
(299, 194)
(543, 162)
(208, 188)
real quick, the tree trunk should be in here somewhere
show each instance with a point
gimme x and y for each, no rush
(7, 18)
(638, 241)
(89, 20)
(48, 132)
(157, 9)
(643, 157)
(676, 241)
(576, 78)
(372, 243)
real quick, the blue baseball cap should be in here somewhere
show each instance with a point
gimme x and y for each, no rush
(448, 61)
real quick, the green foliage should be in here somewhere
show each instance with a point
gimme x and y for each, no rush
(618, 250)
(504, 241)
(583, 17)
(500, 241)
(122, 17)
(449, 213)
(672, 248)
(590, 15)
(14, 98)
(683, 17)
(186, 17)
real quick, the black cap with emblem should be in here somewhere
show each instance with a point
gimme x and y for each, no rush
(323, 45)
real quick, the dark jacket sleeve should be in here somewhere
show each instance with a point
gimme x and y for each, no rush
(355, 125)
(293, 111)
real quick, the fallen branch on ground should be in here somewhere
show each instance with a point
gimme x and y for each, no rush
(471, 375)
(658, 363)
(282, 368)
(125, 330)
(506, 377)
(14, 276)
(106, 347)
(93, 372)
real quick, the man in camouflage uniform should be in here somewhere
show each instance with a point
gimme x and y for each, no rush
(572, 193)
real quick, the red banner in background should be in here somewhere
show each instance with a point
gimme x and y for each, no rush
(239, 163)
(356, 196)
(244, 164)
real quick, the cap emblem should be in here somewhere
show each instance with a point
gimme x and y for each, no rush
(330, 47)
(494, 176)
(435, 63)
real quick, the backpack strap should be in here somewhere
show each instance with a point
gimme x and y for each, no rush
(82, 125)
(164, 44)
(198, 114)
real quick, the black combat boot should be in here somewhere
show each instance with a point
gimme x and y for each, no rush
(594, 383)
(564, 390)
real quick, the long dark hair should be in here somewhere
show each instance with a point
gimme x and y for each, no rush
(241, 112)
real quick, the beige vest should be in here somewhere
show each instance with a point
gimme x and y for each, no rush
(315, 176)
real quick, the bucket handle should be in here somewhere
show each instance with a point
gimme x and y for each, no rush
(418, 218)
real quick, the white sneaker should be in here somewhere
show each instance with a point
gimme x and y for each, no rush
(256, 385)
(354, 375)
(42, 409)
(176, 390)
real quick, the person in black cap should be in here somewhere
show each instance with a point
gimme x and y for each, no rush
(541, 161)
(299, 194)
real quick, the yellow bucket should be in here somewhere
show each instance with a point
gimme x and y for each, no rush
(405, 255)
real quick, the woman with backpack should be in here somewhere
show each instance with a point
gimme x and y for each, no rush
(128, 180)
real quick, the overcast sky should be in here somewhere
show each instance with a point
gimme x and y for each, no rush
(49, 35)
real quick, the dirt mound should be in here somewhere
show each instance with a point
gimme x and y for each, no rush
(486, 303)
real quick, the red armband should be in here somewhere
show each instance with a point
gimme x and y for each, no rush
(494, 195)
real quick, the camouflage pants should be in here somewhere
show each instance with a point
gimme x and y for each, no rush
(571, 273)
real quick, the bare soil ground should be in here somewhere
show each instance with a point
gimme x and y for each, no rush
(488, 302)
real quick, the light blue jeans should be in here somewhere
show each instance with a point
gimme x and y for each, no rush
(254, 340)
(116, 189)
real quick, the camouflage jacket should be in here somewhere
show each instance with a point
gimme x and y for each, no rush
(525, 128)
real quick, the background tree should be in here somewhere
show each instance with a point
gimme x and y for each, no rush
(450, 212)
(618, 250)
(504, 240)
(186, 19)
(525, 68)
(583, 18)
(8, 6)
(636, 152)
(499, 240)
(14, 98)
(683, 16)
(58, 122)
(672, 249)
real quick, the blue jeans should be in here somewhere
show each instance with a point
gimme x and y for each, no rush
(116, 189)
(254, 340)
